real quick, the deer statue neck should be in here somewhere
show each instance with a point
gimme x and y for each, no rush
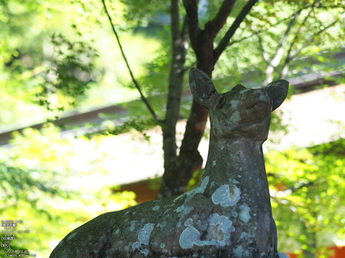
(237, 169)
(232, 160)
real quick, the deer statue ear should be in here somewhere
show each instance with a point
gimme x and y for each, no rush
(278, 91)
(201, 86)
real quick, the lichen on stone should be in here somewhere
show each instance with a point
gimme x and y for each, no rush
(223, 196)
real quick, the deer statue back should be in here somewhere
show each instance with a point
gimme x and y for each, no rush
(229, 212)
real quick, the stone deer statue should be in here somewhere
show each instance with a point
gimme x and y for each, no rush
(228, 214)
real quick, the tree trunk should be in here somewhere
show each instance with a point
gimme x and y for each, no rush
(178, 170)
(177, 70)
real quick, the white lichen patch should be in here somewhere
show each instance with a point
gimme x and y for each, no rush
(143, 236)
(282, 255)
(145, 232)
(155, 208)
(244, 214)
(199, 189)
(166, 211)
(179, 197)
(219, 230)
(136, 246)
(188, 237)
(179, 209)
(202, 187)
(244, 235)
(214, 163)
(225, 225)
(186, 210)
(145, 252)
(234, 103)
(132, 227)
(188, 222)
(235, 117)
(218, 227)
(189, 195)
(240, 253)
(224, 197)
(202, 224)
(243, 91)
(72, 235)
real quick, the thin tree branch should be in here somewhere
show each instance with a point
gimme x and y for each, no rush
(174, 182)
(213, 26)
(300, 28)
(257, 32)
(175, 84)
(191, 7)
(285, 69)
(184, 32)
(280, 49)
(228, 35)
(128, 67)
(289, 56)
(264, 53)
(276, 60)
(282, 43)
(175, 20)
(292, 56)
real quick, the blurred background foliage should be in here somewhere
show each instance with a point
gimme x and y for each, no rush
(56, 56)
(307, 188)
(54, 185)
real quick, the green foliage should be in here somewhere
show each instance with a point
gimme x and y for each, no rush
(36, 175)
(137, 124)
(195, 179)
(140, 12)
(19, 184)
(317, 31)
(69, 73)
(43, 182)
(308, 200)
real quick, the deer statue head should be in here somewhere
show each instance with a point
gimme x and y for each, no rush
(240, 112)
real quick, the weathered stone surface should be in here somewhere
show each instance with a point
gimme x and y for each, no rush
(228, 214)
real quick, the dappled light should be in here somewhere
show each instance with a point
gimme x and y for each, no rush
(96, 109)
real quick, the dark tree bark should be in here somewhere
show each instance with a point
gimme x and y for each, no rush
(177, 70)
(179, 169)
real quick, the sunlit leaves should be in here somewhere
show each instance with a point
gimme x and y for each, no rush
(140, 12)
(319, 33)
(68, 74)
(307, 190)
(137, 124)
(308, 181)
(43, 182)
